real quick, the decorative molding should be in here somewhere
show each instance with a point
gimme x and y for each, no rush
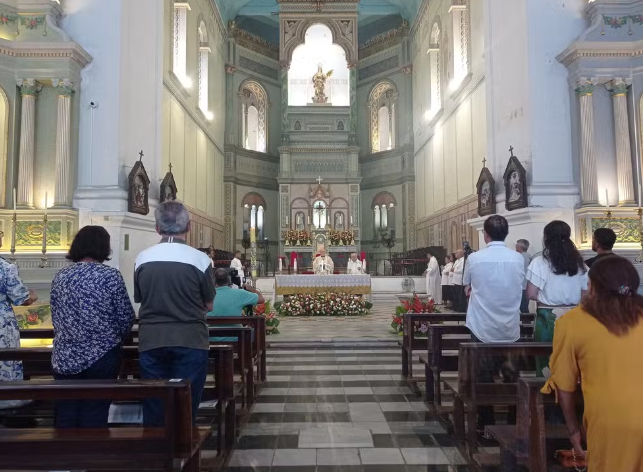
(65, 87)
(385, 37)
(253, 42)
(626, 229)
(34, 22)
(618, 86)
(258, 68)
(585, 86)
(45, 51)
(392, 62)
(7, 18)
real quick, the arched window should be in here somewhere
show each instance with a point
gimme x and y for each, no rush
(204, 63)
(179, 43)
(384, 205)
(254, 214)
(435, 72)
(254, 101)
(382, 102)
(460, 65)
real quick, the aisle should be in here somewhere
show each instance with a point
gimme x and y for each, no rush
(375, 326)
(341, 409)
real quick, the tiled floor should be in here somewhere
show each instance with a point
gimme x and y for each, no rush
(341, 409)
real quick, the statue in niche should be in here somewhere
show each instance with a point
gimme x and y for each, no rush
(138, 189)
(340, 126)
(299, 222)
(297, 126)
(339, 221)
(319, 80)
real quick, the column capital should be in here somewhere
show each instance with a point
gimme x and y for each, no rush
(585, 86)
(618, 86)
(29, 86)
(65, 87)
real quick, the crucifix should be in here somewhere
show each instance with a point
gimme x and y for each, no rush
(484, 162)
(141, 155)
(511, 150)
(319, 180)
(170, 167)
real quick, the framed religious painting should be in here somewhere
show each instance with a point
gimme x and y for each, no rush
(168, 187)
(138, 189)
(515, 179)
(486, 190)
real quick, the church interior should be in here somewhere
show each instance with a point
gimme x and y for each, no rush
(300, 133)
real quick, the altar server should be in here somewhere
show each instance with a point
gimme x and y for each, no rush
(354, 265)
(433, 280)
(323, 264)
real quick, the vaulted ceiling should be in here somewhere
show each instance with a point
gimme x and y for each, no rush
(369, 10)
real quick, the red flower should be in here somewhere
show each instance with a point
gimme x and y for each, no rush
(4, 20)
(32, 318)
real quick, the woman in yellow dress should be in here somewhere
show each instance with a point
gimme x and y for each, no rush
(601, 342)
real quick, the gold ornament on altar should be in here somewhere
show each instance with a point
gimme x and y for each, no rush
(319, 80)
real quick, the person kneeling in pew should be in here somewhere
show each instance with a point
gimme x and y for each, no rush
(229, 301)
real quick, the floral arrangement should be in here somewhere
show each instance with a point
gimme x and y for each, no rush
(334, 236)
(33, 317)
(347, 237)
(415, 305)
(324, 304)
(272, 322)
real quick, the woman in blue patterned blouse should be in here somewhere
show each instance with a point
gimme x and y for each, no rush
(92, 314)
(12, 292)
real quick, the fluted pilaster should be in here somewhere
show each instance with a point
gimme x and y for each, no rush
(29, 89)
(62, 196)
(588, 181)
(618, 87)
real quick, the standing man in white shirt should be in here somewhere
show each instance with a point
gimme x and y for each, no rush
(354, 266)
(459, 300)
(493, 280)
(236, 264)
(433, 281)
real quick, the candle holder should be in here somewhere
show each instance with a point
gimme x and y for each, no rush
(44, 261)
(608, 215)
(639, 212)
(14, 221)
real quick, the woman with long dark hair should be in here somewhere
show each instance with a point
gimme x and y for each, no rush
(601, 342)
(556, 280)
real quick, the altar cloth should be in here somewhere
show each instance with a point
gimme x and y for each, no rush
(359, 284)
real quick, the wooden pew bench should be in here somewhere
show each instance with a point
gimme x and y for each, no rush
(531, 441)
(441, 355)
(472, 393)
(175, 447)
(37, 365)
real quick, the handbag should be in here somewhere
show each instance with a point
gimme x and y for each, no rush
(568, 458)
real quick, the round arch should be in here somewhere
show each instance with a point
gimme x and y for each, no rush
(384, 198)
(383, 93)
(299, 37)
(253, 94)
(254, 198)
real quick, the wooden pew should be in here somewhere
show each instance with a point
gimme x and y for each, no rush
(443, 338)
(244, 361)
(259, 344)
(528, 442)
(177, 446)
(36, 362)
(410, 342)
(471, 393)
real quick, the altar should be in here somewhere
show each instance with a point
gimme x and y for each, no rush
(304, 284)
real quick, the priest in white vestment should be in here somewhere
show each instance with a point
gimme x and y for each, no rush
(433, 280)
(323, 264)
(354, 266)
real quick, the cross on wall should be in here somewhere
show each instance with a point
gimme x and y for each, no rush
(319, 180)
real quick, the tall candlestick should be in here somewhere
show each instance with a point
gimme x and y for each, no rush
(45, 203)
(607, 199)
(14, 199)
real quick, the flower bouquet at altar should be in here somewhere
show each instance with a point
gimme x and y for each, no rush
(335, 237)
(292, 237)
(304, 238)
(324, 304)
(415, 305)
(347, 237)
(272, 322)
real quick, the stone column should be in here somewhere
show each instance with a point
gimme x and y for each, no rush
(588, 181)
(618, 87)
(29, 89)
(62, 196)
(352, 133)
(285, 120)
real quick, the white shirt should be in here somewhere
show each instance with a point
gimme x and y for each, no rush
(458, 269)
(556, 290)
(445, 274)
(236, 264)
(496, 275)
(354, 268)
(527, 259)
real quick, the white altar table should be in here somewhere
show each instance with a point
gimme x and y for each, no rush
(296, 284)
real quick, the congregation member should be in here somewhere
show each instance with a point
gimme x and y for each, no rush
(603, 241)
(354, 266)
(92, 315)
(173, 284)
(557, 281)
(446, 280)
(236, 264)
(601, 342)
(522, 247)
(12, 292)
(433, 280)
(323, 264)
(459, 298)
(493, 280)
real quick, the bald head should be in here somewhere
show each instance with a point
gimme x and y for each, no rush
(221, 278)
(459, 254)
